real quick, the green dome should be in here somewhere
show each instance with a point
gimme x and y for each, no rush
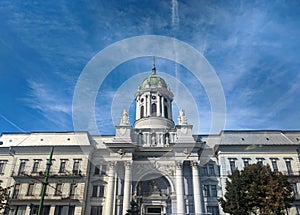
(153, 81)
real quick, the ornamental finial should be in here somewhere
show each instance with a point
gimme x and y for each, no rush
(153, 66)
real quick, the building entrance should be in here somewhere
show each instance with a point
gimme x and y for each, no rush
(153, 210)
(154, 196)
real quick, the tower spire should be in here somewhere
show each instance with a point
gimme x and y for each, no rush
(153, 66)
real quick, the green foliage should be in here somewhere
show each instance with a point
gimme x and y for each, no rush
(134, 209)
(3, 198)
(257, 190)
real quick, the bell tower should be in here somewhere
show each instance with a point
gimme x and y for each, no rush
(154, 103)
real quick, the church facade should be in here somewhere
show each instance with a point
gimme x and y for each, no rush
(161, 166)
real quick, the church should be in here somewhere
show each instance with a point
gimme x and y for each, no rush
(156, 163)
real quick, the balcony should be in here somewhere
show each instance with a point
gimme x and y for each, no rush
(41, 174)
(291, 173)
(63, 197)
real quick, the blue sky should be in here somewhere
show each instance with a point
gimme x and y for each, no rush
(253, 46)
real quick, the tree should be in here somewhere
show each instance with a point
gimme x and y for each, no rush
(3, 198)
(257, 190)
(134, 209)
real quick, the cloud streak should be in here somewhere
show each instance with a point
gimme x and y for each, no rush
(54, 107)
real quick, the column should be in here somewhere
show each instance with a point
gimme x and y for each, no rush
(148, 105)
(158, 105)
(148, 139)
(196, 188)
(180, 189)
(28, 210)
(145, 106)
(138, 109)
(162, 107)
(127, 187)
(110, 197)
(162, 139)
(52, 209)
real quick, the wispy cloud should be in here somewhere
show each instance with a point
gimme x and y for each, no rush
(52, 106)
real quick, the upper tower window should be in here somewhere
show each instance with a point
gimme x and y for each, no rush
(166, 111)
(153, 109)
(142, 111)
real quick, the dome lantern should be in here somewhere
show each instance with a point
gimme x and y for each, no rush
(154, 103)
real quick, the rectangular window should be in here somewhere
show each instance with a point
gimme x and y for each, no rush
(35, 166)
(232, 165)
(34, 209)
(58, 189)
(19, 210)
(96, 210)
(214, 192)
(246, 161)
(274, 165)
(16, 191)
(64, 210)
(103, 169)
(204, 170)
(62, 167)
(210, 191)
(76, 166)
(101, 191)
(289, 166)
(295, 189)
(98, 191)
(72, 189)
(2, 166)
(206, 191)
(22, 167)
(211, 169)
(97, 170)
(46, 191)
(30, 190)
(260, 161)
(214, 210)
(95, 191)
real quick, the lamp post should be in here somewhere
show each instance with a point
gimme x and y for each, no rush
(49, 164)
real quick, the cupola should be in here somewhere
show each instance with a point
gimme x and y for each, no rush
(154, 103)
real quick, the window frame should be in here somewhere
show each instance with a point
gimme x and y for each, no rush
(30, 189)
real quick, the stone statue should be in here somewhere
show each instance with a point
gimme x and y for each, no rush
(182, 118)
(125, 118)
(153, 140)
(153, 187)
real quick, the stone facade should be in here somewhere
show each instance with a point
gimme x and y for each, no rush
(161, 166)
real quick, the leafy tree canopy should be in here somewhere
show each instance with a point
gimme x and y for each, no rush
(134, 209)
(3, 197)
(257, 190)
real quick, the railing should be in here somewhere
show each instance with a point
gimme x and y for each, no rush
(41, 174)
(50, 196)
(287, 173)
(291, 173)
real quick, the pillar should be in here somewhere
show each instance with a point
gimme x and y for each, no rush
(148, 105)
(28, 209)
(138, 109)
(110, 197)
(145, 106)
(196, 188)
(127, 187)
(180, 189)
(162, 107)
(158, 105)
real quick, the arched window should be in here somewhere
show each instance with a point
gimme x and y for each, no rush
(166, 111)
(153, 109)
(142, 112)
